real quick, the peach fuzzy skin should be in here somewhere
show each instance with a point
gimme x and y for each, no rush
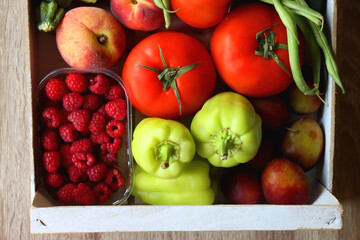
(78, 38)
(138, 14)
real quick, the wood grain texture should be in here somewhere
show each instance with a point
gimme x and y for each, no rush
(15, 138)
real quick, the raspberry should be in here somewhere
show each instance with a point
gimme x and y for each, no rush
(91, 102)
(115, 92)
(68, 132)
(99, 84)
(82, 145)
(83, 194)
(97, 122)
(83, 160)
(54, 180)
(96, 172)
(52, 117)
(114, 147)
(116, 109)
(80, 119)
(79, 160)
(51, 161)
(103, 147)
(114, 179)
(73, 101)
(102, 192)
(90, 159)
(76, 82)
(56, 89)
(77, 174)
(99, 137)
(65, 193)
(109, 158)
(50, 140)
(115, 128)
(66, 155)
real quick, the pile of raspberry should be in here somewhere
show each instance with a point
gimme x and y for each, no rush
(81, 134)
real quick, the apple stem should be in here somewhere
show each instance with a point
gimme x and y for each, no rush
(102, 38)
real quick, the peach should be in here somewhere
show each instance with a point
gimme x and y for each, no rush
(242, 186)
(303, 143)
(284, 182)
(300, 103)
(273, 111)
(138, 14)
(90, 37)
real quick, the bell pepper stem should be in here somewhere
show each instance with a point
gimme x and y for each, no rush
(165, 152)
(226, 143)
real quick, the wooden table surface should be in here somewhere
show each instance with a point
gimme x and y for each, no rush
(15, 138)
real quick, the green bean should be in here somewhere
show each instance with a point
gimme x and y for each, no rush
(286, 19)
(329, 58)
(295, 65)
(299, 9)
(315, 20)
(313, 48)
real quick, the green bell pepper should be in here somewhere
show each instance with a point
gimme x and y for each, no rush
(192, 187)
(162, 147)
(227, 130)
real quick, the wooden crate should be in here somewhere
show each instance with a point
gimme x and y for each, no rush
(323, 212)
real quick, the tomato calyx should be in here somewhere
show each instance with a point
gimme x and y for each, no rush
(267, 47)
(168, 76)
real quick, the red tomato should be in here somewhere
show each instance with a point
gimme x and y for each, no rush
(233, 47)
(201, 13)
(145, 88)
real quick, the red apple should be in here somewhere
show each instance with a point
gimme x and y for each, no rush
(90, 37)
(300, 103)
(242, 186)
(284, 182)
(303, 143)
(138, 14)
(273, 111)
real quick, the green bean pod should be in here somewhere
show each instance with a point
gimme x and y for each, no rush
(294, 60)
(329, 58)
(312, 46)
(286, 19)
(301, 10)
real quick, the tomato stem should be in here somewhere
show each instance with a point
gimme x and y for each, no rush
(169, 75)
(267, 47)
(165, 6)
